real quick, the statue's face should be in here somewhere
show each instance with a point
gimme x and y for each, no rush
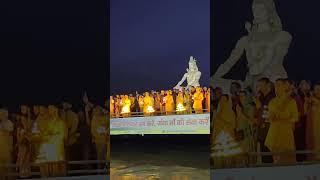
(260, 13)
(192, 66)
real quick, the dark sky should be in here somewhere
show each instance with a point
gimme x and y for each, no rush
(151, 41)
(299, 18)
(53, 50)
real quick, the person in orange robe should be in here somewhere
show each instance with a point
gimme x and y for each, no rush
(169, 103)
(148, 104)
(313, 125)
(99, 131)
(126, 106)
(197, 100)
(283, 114)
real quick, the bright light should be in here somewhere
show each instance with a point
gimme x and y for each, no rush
(150, 109)
(180, 107)
(125, 110)
(225, 145)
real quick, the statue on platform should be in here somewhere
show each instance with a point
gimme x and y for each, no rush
(266, 45)
(192, 75)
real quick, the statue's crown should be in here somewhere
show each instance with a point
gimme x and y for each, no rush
(192, 60)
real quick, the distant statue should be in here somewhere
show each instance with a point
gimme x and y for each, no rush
(266, 45)
(192, 75)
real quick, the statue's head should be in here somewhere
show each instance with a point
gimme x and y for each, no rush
(193, 64)
(264, 11)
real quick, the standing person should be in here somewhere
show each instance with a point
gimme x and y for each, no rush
(157, 102)
(99, 127)
(112, 106)
(85, 137)
(187, 102)
(234, 91)
(300, 131)
(148, 104)
(141, 103)
(132, 100)
(313, 125)
(24, 143)
(169, 103)
(126, 106)
(283, 114)
(40, 133)
(180, 103)
(58, 136)
(265, 94)
(162, 102)
(197, 100)
(6, 130)
(245, 116)
(71, 120)
(117, 107)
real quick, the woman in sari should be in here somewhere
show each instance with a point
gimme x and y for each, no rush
(179, 103)
(24, 145)
(283, 114)
(224, 125)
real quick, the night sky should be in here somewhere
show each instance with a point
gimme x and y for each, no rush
(53, 51)
(151, 41)
(298, 17)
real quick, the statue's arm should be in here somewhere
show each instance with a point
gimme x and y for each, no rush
(233, 58)
(182, 80)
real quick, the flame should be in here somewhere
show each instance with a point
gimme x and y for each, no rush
(180, 107)
(125, 110)
(150, 109)
(226, 146)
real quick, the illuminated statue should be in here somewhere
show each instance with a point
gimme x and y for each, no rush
(192, 75)
(266, 45)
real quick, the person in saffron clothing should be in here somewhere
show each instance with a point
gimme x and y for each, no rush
(283, 114)
(313, 124)
(197, 100)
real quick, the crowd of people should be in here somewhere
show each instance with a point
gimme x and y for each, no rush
(278, 118)
(183, 101)
(44, 138)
